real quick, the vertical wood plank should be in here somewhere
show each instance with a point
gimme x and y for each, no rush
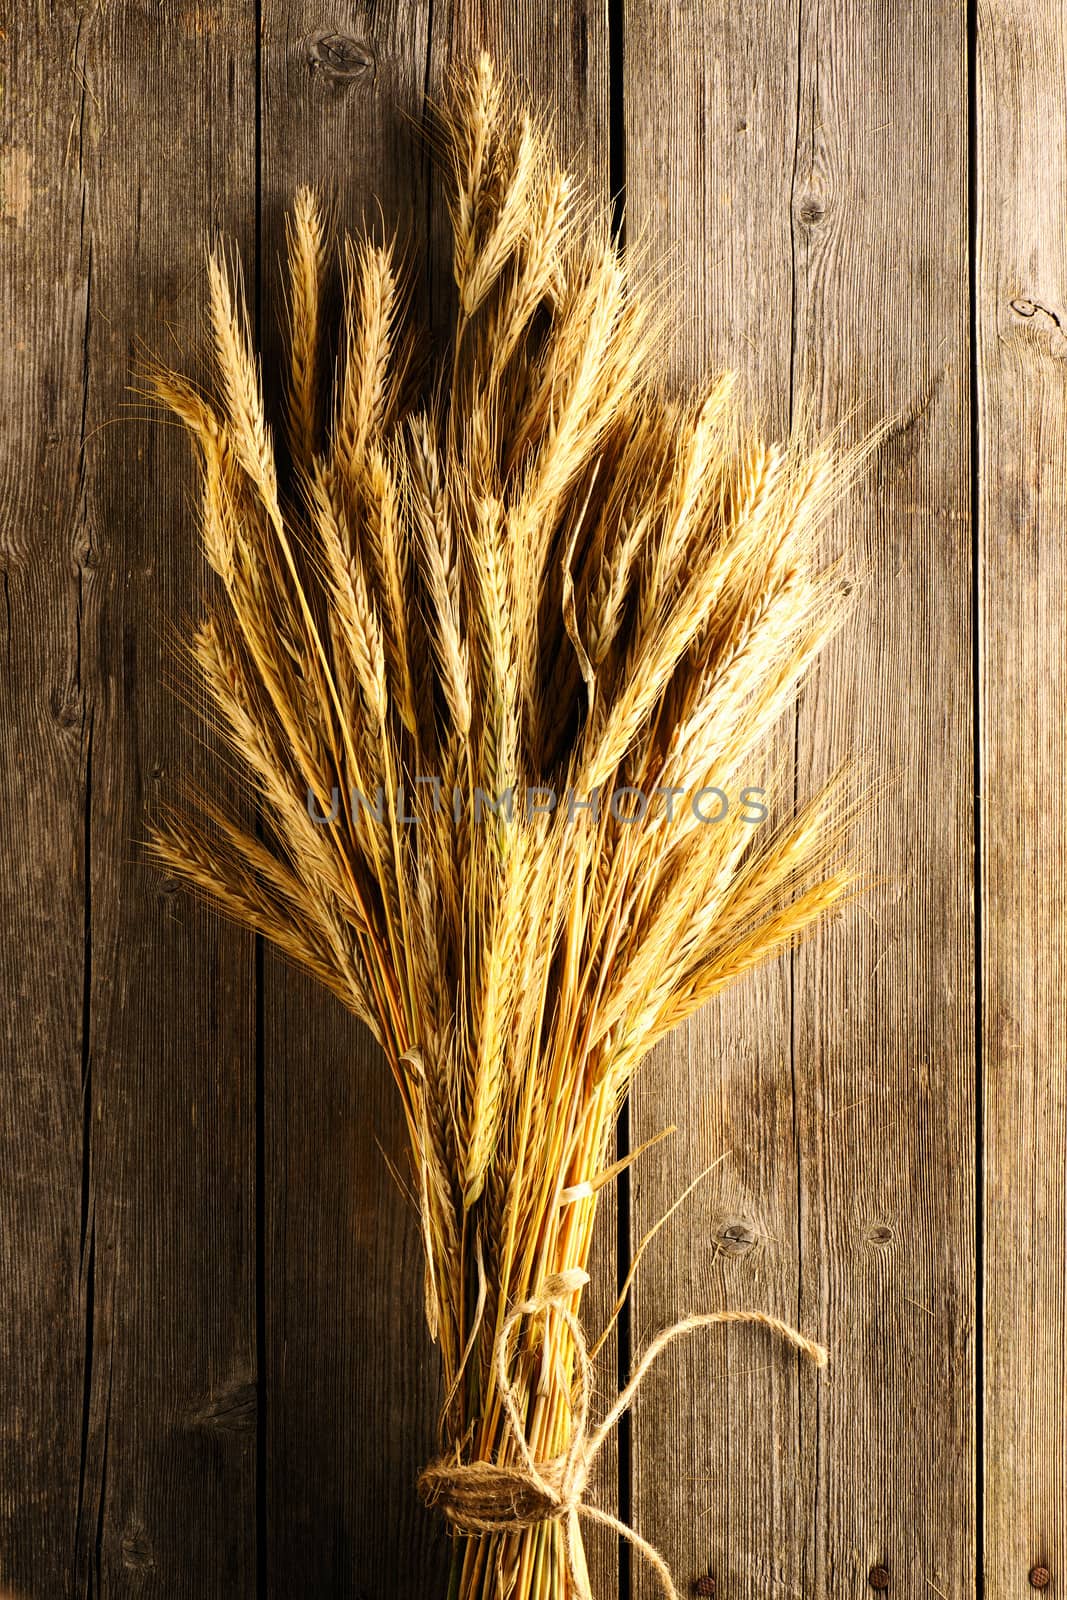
(710, 117)
(127, 1439)
(351, 1380)
(1021, 317)
(44, 265)
(884, 1024)
(848, 1106)
(353, 1392)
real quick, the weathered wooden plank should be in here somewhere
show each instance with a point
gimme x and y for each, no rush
(848, 1110)
(352, 1391)
(44, 265)
(1021, 317)
(710, 97)
(125, 1100)
(884, 1010)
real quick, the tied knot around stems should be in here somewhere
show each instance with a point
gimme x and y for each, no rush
(485, 1497)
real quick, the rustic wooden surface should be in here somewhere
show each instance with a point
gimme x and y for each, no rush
(1021, 347)
(214, 1373)
(349, 1400)
(697, 111)
(127, 1095)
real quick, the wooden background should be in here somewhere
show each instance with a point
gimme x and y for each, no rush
(214, 1375)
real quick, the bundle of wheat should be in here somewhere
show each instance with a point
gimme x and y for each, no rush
(498, 655)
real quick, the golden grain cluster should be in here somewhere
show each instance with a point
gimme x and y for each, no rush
(530, 574)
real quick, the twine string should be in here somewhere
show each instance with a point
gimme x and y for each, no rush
(486, 1497)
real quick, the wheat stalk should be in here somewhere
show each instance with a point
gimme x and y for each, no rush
(543, 580)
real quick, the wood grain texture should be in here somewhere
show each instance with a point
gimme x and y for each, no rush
(44, 266)
(834, 263)
(1021, 303)
(352, 1388)
(127, 1434)
(884, 1007)
(351, 1392)
(710, 118)
(215, 1378)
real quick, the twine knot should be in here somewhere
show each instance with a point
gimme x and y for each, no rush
(486, 1497)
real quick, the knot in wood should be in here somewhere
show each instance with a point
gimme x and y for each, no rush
(340, 57)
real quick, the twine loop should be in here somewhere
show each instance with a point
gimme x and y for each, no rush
(486, 1497)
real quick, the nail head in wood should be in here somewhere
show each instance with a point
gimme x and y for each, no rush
(1040, 1577)
(704, 1584)
(878, 1577)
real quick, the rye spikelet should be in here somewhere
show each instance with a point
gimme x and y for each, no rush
(499, 658)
